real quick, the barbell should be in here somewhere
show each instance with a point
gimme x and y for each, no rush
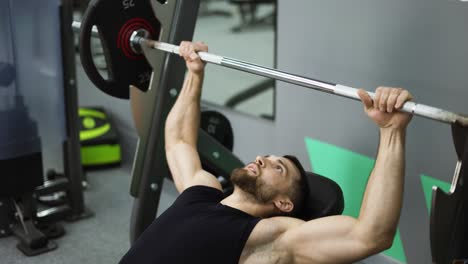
(123, 36)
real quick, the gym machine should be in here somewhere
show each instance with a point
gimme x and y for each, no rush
(140, 41)
(21, 156)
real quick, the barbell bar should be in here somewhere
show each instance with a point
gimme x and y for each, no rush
(139, 37)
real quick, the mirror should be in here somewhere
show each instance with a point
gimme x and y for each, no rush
(243, 30)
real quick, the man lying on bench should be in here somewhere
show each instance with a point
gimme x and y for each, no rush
(278, 213)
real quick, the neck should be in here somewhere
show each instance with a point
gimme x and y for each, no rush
(246, 202)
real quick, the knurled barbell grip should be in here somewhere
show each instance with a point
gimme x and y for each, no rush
(204, 56)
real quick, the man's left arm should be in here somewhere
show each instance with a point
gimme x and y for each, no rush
(343, 239)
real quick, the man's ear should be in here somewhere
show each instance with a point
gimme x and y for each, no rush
(284, 204)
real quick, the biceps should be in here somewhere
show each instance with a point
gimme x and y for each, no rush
(327, 240)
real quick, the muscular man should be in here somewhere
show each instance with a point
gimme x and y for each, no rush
(254, 224)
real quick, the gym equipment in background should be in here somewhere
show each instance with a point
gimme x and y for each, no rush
(451, 229)
(7, 74)
(218, 126)
(99, 140)
(206, 11)
(248, 13)
(21, 157)
(449, 213)
(126, 66)
(250, 93)
(23, 175)
(23, 185)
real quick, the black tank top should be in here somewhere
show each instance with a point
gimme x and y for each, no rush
(197, 228)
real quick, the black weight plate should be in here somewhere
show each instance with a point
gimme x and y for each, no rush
(116, 21)
(219, 127)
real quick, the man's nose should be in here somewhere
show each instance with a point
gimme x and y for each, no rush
(260, 161)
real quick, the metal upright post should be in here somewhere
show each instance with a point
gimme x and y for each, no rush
(71, 148)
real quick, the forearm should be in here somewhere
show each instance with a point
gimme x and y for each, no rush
(183, 120)
(382, 202)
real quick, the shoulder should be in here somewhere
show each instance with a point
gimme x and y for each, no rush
(269, 230)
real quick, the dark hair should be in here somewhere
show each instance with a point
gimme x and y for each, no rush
(298, 190)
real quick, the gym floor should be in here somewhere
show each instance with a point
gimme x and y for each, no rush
(104, 238)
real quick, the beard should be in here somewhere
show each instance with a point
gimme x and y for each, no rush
(253, 185)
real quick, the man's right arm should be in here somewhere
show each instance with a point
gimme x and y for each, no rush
(181, 130)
